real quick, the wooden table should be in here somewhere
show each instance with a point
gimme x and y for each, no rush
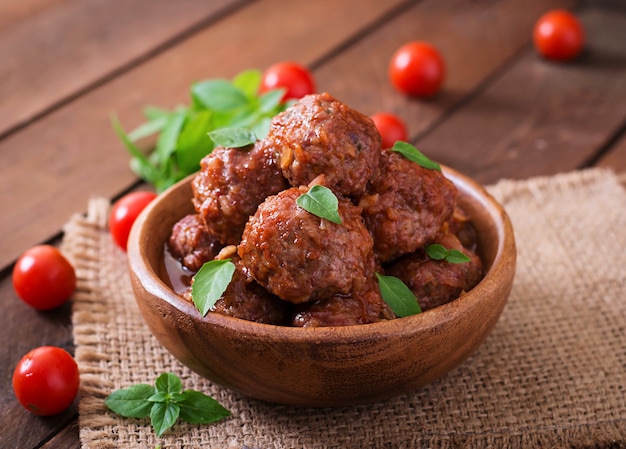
(66, 65)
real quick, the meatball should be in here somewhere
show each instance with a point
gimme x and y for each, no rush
(405, 206)
(437, 282)
(301, 257)
(249, 301)
(191, 243)
(231, 184)
(322, 136)
(362, 306)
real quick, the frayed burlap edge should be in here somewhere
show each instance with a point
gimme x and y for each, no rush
(401, 422)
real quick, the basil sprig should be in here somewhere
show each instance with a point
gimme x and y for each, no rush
(210, 283)
(183, 133)
(320, 201)
(165, 403)
(413, 154)
(398, 296)
(437, 251)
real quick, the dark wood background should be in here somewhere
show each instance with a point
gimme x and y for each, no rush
(67, 65)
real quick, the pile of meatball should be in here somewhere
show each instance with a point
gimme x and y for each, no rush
(294, 268)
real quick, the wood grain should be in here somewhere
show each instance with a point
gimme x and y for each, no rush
(615, 158)
(66, 46)
(540, 118)
(73, 154)
(476, 40)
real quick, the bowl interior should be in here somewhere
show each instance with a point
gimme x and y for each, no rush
(328, 365)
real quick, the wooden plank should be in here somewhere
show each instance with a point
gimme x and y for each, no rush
(24, 329)
(67, 438)
(476, 39)
(72, 154)
(49, 54)
(540, 118)
(615, 158)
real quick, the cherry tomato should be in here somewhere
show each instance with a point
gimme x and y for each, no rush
(124, 213)
(43, 278)
(46, 380)
(293, 77)
(559, 36)
(417, 68)
(390, 127)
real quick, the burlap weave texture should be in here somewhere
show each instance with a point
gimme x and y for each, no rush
(552, 373)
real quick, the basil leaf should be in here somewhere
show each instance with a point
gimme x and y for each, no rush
(131, 402)
(140, 163)
(148, 128)
(198, 408)
(271, 100)
(248, 82)
(163, 416)
(437, 251)
(233, 137)
(320, 201)
(398, 296)
(413, 154)
(218, 95)
(210, 283)
(168, 383)
(166, 144)
(193, 143)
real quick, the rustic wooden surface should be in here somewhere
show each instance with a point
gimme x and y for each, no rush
(67, 65)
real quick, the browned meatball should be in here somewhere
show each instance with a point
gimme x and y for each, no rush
(249, 301)
(359, 307)
(461, 226)
(300, 257)
(191, 243)
(437, 282)
(231, 184)
(405, 206)
(320, 135)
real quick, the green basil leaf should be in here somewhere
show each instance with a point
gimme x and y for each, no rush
(193, 143)
(218, 95)
(271, 100)
(456, 256)
(320, 201)
(210, 283)
(131, 402)
(262, 127)
(437, 251)
(168, 383)
(163, 416)
(166, 144)
(148, 128)
(140, 163)
(233, 137)
(413, 154)
(198, 408)
(153, 113)
(398, 296)
(248, 82)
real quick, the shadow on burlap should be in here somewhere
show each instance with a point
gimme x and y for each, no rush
(552, 374)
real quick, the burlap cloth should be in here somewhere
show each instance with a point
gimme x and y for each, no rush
(552, 374)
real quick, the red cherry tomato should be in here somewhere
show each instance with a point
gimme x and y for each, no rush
(559, 36)
(293, 77)
(124, 213)
(43, 278)
(46, 380)
(390, 127)
(417, 68)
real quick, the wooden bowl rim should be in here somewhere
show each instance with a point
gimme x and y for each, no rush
(502, 270)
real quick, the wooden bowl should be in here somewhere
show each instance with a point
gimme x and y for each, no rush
(328, 366)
